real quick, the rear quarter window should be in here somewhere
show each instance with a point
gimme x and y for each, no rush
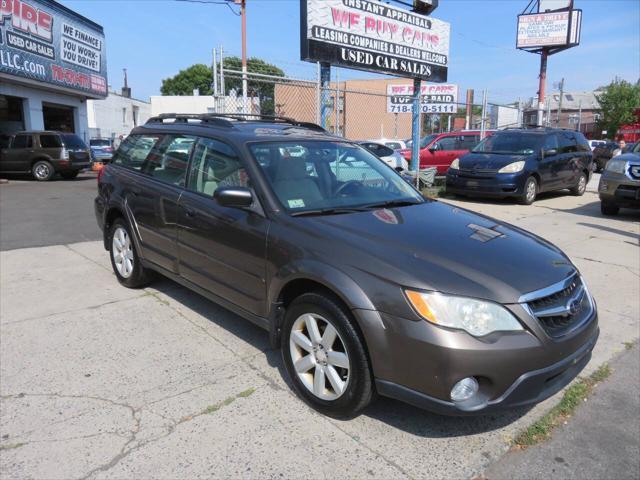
(134, 150)
(50, 141)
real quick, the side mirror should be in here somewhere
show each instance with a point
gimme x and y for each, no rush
(233, 197)
(434, 148)
(399, 169)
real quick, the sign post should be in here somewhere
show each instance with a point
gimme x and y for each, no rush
(381, 38)
(415, 128)
(547, 27)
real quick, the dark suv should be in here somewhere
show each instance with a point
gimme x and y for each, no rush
(366, 285)
(43, 154)
(521, 163)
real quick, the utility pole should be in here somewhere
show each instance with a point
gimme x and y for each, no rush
(483, 127)
(560, 103)
(243, 14)
(580, 115)
(416, 133)
(214, 72)
(543, 83)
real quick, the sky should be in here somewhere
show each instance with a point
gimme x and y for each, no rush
(155, 39)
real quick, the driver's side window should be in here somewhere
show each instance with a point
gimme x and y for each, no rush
(551, 143)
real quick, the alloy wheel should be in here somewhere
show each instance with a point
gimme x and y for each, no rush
(122, 252)
(319, 356)
(531, 191)
(42, 171)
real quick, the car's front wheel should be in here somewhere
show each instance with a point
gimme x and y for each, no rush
(124, 257)
(609, 208)
(530, 191)
(325, 356)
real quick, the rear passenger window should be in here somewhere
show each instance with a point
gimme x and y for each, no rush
(215, 165)
(567, 142)
(134, 151)
(449, 143)
(50, 141)
(469, 142)
(22, 141)
(169, 158)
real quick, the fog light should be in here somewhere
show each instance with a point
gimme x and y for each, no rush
(464, 389)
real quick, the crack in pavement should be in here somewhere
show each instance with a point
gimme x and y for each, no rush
(609, 264)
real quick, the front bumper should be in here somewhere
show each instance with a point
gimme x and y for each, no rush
(618, 189)
(418, 362)
(486, 184)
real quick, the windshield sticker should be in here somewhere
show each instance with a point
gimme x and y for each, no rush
(298, 203)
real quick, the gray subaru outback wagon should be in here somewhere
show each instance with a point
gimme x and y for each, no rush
(367, 287)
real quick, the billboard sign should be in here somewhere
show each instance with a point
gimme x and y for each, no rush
(45, 42)
(433, 98)
(375, 37)
(553, 29)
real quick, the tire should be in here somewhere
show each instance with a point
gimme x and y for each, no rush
(609, 208)
(70, 175)
(124, 257)
(530, 191)
(326, 385)
(581, 186)
(42, 171)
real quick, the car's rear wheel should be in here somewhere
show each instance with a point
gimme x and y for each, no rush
(70, 175)
(581, 186)
(609, 208)
(124, 257)
(325, 356)
(530, 191)
(42, 171)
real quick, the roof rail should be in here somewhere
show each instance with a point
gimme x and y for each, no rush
(227, 119)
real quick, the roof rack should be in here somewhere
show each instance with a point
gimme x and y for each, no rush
(229, 120)
(537, 127)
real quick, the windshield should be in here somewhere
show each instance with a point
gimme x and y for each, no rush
(309, 176)
(510, 143)
(73, 141)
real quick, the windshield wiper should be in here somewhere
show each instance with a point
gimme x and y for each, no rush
(393, 203)
(328, 211)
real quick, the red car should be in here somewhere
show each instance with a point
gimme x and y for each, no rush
(440, 149)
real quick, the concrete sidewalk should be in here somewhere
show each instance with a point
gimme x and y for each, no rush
(601, 441)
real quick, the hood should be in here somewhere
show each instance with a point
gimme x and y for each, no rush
(436, 246)
(488, 161)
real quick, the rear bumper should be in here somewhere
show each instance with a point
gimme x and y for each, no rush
(530, 388)
(496, 185)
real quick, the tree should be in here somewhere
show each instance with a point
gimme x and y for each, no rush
(618, 101)
(186, 81)
(200, 76)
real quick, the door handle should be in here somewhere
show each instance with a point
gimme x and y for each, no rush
(135, 192)
(189, 212)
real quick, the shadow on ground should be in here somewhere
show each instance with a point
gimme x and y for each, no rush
(391, 412)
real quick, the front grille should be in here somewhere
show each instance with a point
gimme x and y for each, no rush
(563, 311)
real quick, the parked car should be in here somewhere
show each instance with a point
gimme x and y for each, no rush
(620, 182)
(387, 155)
(43, 154)
(364, 284)
(101, 149)
(440, 149)
(602, 154)
(393, 144)
(521, 163)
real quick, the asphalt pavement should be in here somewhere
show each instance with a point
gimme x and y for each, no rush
(99, 381)
(601, 441)
(38, 214)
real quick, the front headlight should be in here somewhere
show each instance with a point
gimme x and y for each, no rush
(477, 317)
(514, 167)
(616, 166)
(455, 165)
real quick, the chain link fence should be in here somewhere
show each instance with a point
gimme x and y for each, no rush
(355, 109)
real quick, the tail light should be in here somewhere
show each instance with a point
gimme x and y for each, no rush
(100, 173)
(64, 155)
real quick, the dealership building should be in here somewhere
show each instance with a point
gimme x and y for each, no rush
(52, 60)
